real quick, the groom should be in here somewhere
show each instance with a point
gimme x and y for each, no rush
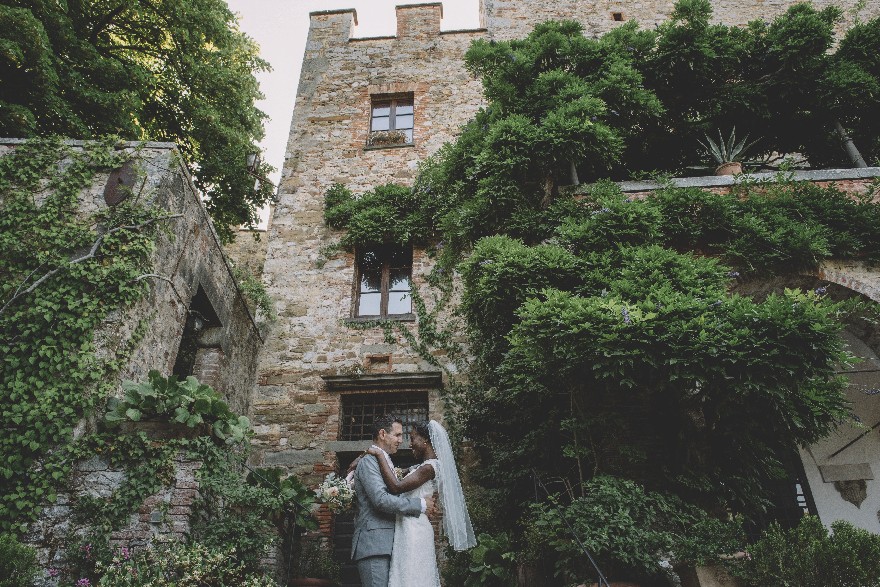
(377, 509)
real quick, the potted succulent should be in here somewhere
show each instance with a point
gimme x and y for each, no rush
(727, 153)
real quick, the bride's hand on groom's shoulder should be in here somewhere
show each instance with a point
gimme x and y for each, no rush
(374, 451)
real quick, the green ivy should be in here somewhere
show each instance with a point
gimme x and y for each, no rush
(53, 296)
(185, 402)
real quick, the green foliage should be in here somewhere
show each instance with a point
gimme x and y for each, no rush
(18, 563)
(185, 402)
(387, 214)
(173, 564)
(53, 296)
(492, 562)
(165, 70)
(316, 561)
(255, 294)
(626, 529)
(811, 556)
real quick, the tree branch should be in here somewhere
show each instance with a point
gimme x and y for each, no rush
(90, 255)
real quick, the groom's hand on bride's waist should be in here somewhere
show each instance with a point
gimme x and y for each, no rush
(430, 507)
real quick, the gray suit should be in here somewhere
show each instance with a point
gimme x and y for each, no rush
(374, 525)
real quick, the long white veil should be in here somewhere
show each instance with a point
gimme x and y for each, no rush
(456, 520)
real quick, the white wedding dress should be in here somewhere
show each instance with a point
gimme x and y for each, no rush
(413, 562)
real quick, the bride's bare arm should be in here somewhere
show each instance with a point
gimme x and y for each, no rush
(411, 481)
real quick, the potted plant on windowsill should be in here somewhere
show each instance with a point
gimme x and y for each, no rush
(727, 153)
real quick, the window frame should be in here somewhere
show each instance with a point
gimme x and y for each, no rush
(393, 102)
(385, 282)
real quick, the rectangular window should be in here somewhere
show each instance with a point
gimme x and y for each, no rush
(384, 286)
(360, 410)
(391, 120)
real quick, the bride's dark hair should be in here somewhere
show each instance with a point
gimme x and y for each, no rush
(421, 428)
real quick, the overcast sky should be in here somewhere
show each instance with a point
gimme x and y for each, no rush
(280, 27)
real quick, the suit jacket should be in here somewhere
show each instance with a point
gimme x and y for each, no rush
(376, 511)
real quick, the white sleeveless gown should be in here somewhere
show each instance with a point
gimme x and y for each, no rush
(413, 562)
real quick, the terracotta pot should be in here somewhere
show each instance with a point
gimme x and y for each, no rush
(729, 168)
(308, 582)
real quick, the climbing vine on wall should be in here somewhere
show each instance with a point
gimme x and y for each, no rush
(62, 273)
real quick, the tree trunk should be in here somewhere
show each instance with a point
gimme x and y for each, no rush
(549, 191)
(849, 146)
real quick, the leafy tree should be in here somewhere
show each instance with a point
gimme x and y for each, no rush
(153, 69)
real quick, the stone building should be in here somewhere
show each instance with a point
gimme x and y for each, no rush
(192, 321)
(367, 111)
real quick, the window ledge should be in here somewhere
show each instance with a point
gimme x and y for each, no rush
(379, 319)
(394, 146)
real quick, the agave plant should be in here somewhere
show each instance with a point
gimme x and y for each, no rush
(727, 151)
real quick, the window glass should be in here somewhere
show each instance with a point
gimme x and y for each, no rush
(403, 122)
(399, 280)
(369, 304)
(399, 303)
(381, 110)
(404, 108)
(381, 123)
(384, 277)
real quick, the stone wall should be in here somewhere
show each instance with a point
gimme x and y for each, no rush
(165, 514)
(513, 19)
(295, 416)
(187, 258)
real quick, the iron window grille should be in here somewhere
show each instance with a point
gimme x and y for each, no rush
(360, 410)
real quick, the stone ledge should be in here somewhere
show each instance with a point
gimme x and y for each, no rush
(368, 319)
(711, 181)
(377, 381)
(851, 472)
(394, 146)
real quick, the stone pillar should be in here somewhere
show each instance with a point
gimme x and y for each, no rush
(419, 20)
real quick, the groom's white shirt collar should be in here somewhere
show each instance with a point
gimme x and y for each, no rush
(387, 456)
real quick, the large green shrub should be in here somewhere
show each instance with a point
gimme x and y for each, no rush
(627, 529)
(812, 556)
(18, 563)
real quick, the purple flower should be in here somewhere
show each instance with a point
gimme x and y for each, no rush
(125, 553)
(83, 583)
(625, 313)
(821, 291)
(54, 572)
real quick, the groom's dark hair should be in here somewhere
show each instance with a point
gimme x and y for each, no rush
(384, 423)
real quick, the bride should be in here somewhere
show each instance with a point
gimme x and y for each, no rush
(413, 561)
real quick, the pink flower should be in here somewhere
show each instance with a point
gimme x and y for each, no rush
(54, 572)
(83, 583)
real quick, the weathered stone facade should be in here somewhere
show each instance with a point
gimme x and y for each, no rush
(513, 19)
(189, 273)
(317, 338)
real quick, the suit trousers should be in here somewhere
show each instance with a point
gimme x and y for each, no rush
(374, 570)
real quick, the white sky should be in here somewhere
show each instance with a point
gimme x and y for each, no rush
(280, 27)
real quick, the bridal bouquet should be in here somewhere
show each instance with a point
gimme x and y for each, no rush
(336, 492)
